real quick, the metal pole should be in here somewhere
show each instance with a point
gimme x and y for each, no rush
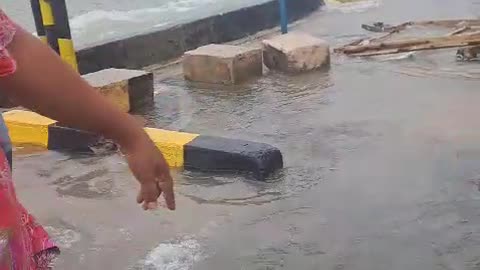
(283, 16)
(55, 22)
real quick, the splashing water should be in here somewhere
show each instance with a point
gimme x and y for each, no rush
(177, 255)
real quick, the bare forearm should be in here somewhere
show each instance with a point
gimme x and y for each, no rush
(44, 83)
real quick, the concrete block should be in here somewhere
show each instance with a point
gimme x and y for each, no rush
(208, 153)
(128, 89)
(172, 144)
(28, 127)
(222, 64)
(296, 52)
(191, 151)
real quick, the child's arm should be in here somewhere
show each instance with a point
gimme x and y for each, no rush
(45, 84)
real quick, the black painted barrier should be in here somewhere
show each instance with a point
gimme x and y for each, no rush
(217, 154)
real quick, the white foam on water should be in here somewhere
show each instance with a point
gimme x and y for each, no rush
(101, 25)
(95, 16)
(64, 238)
(177, 255)
(400, 56)
(138, 15)
(352, 6)
(159, 25)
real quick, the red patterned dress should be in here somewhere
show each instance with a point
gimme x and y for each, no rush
(24, 244)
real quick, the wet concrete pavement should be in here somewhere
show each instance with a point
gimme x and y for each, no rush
(382, 169)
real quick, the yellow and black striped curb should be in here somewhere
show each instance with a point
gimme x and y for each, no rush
(190, 151)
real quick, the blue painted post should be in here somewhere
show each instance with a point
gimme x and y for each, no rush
(283, 16)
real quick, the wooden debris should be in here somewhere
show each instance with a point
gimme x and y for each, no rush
(412, 45)
(465, 34)
(395, 30)
(468, 53)
(378, 27)
(460, 30)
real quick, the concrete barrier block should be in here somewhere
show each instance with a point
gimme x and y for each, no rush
(70, 139)
(28, 127)
(171, 143)
(296, 52)
(208, 153)
(128, 89)
(222, 64)
(190, 151)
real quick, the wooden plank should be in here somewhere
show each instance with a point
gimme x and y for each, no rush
(462, 26)
(459, 31)
(427, 42)
(420, 47)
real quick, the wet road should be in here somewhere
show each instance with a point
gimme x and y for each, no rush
(382, 168)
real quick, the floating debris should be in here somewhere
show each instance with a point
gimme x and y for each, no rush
(465, 33)
(378, 27)
(468, 54)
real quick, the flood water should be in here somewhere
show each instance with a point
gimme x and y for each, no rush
(382, 167)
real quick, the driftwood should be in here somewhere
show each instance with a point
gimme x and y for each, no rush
(462, 36)
(378, 27)
(459, 31)
(394, 31)
(412, 45)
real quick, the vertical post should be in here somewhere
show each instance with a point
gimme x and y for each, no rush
(283, 16)
(57, 29)
(37, 16)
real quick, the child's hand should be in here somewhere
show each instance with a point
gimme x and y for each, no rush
(151, 170)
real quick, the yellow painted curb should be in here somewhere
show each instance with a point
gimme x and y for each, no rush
(171, 143)
(28, 127)
(31, 128)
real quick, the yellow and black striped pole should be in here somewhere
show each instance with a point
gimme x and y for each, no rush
(55, 27)
(37, 16)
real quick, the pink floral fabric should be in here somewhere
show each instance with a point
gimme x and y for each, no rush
(24, 244)
(7, 32)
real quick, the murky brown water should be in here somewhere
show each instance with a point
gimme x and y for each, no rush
(382, 158)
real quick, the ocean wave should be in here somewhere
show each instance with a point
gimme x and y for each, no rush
(349, 6)
(170, 8)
